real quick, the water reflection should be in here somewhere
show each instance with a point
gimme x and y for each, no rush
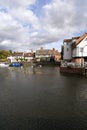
(41, 98)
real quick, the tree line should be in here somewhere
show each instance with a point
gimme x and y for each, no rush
(4, 54)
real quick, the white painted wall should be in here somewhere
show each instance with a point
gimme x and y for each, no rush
(81, 49)
(12, 59)
(29, 58)
(42, 56)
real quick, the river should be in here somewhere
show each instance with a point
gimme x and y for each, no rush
(42, 99)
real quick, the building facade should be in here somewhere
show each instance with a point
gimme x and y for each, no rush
(75, 49)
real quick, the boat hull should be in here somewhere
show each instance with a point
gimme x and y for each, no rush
(4, 65)
(16, 64)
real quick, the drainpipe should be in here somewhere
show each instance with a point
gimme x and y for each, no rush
(82, 60)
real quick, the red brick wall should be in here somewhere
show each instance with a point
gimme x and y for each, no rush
(77, 60)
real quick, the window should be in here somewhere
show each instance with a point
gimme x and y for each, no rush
(86, 39)
(81, 49)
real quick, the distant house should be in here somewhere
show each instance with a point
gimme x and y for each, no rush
(11, 59)
(75, 49)
(18, 55)
(29, 56)
(22, 56)
(55, 54)
(43, 54)
(47, 54)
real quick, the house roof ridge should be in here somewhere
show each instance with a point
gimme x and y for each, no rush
(76, 37)
(80, 38)
(68, 40)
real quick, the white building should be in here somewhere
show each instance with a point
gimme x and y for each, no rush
(75, 49)
(12, 59)
(20, 56)
(67, 49)
(80, 47)
(43, 53)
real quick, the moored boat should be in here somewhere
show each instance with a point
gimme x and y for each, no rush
(16, 64)
(4, 64)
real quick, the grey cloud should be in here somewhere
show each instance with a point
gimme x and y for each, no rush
(59, 18)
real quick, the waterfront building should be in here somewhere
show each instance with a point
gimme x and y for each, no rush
(75, 50)
(21, 56)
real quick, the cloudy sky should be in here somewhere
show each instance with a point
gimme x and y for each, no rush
(31, 24)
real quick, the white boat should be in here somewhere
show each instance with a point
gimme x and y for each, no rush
(4, 65)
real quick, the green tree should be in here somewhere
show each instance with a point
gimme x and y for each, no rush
(11, 52)
(4, 54)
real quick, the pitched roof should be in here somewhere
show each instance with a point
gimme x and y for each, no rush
(54, 52)
(43, 52)
(29, 54)
(75, 37)
(18, 54)
(80, 39)
(67, 40)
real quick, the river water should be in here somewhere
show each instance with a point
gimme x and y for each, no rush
(42, 99)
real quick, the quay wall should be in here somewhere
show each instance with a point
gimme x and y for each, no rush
(71, 70)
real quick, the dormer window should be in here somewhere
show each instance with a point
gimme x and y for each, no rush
(86, 39)
(74, 40)
(64, 43)
(67, 49)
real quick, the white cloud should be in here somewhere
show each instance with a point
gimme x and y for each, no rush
(16, 3)
(61, 18)
(58, 17)
(20, 28)
(25, 16)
